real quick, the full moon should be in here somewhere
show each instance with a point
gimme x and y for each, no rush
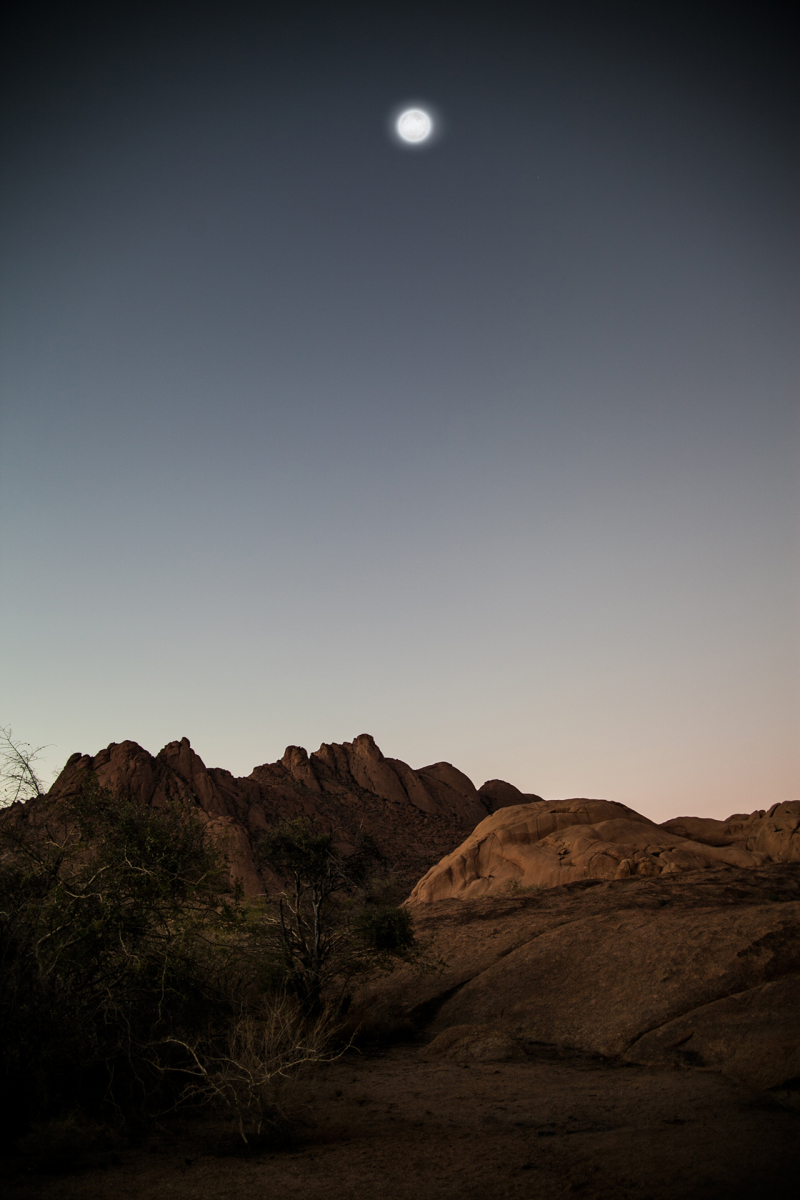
(414, 125)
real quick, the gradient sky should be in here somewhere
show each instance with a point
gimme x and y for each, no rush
(488, 448)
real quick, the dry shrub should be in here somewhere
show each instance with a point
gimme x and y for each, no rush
(249, 1079)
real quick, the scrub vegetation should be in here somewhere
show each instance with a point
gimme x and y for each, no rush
(135, 981)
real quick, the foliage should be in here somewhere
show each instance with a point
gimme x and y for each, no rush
(57, 1143)
(98, 900)
(126, 962)
(133, 979)
(324, 928)
(386, 929)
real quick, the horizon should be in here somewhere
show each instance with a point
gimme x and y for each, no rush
(415, 767)
(488, 444)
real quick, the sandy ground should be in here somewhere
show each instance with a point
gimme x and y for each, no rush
(395, 1127)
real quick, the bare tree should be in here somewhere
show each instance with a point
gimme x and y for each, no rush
(321, 931)
(18, 777)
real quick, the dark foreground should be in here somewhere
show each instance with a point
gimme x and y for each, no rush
(398, 1128)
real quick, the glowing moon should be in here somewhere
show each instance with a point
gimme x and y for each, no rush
(414, 125)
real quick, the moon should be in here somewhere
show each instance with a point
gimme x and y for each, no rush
(414, 125)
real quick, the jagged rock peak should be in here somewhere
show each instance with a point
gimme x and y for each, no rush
(365, 744)
(414, 816)
(294, 754)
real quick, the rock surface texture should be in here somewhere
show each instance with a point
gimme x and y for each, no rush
(413, 816)
(548, 843)
(695, 968)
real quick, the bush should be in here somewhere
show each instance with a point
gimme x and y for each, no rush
(133, 980)
(246, 1076)
(387, 929)
(324, 929)
(126, 965)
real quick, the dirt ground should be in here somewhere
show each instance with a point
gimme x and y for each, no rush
(395, 1127)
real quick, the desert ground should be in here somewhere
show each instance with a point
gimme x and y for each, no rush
(390, 1124)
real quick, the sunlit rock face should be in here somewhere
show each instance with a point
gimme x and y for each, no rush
(548, 843)
(774, 832)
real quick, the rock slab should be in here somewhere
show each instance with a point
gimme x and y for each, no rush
(693, 969)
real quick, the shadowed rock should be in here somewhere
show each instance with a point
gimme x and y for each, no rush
(349, 788)
(472, 1043)
(691, 969)
(496, 793)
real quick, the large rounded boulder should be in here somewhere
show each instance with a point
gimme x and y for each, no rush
(549, 843)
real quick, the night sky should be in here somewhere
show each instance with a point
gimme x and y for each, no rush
(487, 447)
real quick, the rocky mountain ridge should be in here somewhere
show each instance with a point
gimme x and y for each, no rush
(438, 834)
(414, 816)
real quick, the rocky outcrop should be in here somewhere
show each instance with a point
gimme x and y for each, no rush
(175, 774)
(549, 843)
(496, 793)
(752, 1035)
(452, 792)
(697, 968)
(413, 816)
(775, 833)
(417, 817)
